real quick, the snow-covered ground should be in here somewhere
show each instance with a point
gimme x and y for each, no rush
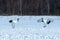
(27, 28)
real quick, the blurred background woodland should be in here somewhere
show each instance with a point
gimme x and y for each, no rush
(29, 7)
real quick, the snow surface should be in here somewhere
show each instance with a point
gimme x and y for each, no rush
(27, 28)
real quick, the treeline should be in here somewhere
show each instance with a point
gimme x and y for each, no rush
(29, 7)
(9, 7)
